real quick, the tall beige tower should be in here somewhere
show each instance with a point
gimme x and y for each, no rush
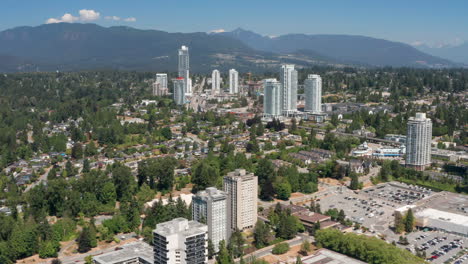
(242, 190)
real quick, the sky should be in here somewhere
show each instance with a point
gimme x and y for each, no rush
(427, 22)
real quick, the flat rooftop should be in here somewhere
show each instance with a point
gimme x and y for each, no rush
(325, 256)
(457, 219)
(136, 250)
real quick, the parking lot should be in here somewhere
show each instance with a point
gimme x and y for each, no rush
(369, 212)
(398, 194)
(439, 247)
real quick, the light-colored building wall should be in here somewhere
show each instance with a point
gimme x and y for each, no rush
(242, 190)
(418, 142)
(179, 94)
(184, 68)
(211, 207)
(180, 241)
(215, 82)
(288, 79)
(233, 81)
(313, 93)
(271, 97)
(160, 85)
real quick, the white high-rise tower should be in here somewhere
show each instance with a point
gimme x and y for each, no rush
(160, 85)
(313, 93)
(288, 77)
(271, 97)
(418, 142)
(179, 94)
(211, 207)
(184, 68)
(215, 82)
(233, 81)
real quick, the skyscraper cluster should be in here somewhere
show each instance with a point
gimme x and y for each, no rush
(215, 215)
(280, 98)
(418, 141)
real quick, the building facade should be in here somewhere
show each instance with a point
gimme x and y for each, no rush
(313, 93)
(215, 82)
(180, 241)
(242, 190)
(271, 98)
(233, 81)
(160, 85)
(179, 92)
(211, 207)
(184, 68)
(418, 142)
(288, 76)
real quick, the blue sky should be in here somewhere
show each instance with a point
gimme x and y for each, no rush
(410, 21)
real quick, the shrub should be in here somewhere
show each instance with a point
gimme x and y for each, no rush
(280, 248)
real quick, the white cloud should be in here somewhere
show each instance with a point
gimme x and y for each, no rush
(219, 30)
(89, 15)
(115, 18)
(84, 15)
(130, 19)
(417, 43)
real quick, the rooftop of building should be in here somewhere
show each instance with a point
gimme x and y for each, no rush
(140, 250)
(448, 217)
(239, 173)
(211, 192)
(180, 226)
(324, 255)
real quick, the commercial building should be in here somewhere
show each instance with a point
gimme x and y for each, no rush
(184, 69)
(132, 253)
(233, 81)
(179, 94)
(288, 79)
(441, 220)
(271, 98)
(215, 82)
(160, 85)
(211, 207)
(180, 241)
(242, 190)
(418, 142)
(313, 93)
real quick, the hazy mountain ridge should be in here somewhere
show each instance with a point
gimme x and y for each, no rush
(456, 53)
(78, 46)
(345, 48)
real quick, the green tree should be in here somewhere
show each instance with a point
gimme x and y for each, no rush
(261, 234)
(204, 175)
(409, 221)
(306, 247)
(48, 249)
(223, 254)
(280, 248)
(77, 151)
(283, 190)
(211, 249)
(85, 240)
(354, 185)
(266, 176)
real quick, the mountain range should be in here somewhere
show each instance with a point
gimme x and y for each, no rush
(75, 46)
(456, 53)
